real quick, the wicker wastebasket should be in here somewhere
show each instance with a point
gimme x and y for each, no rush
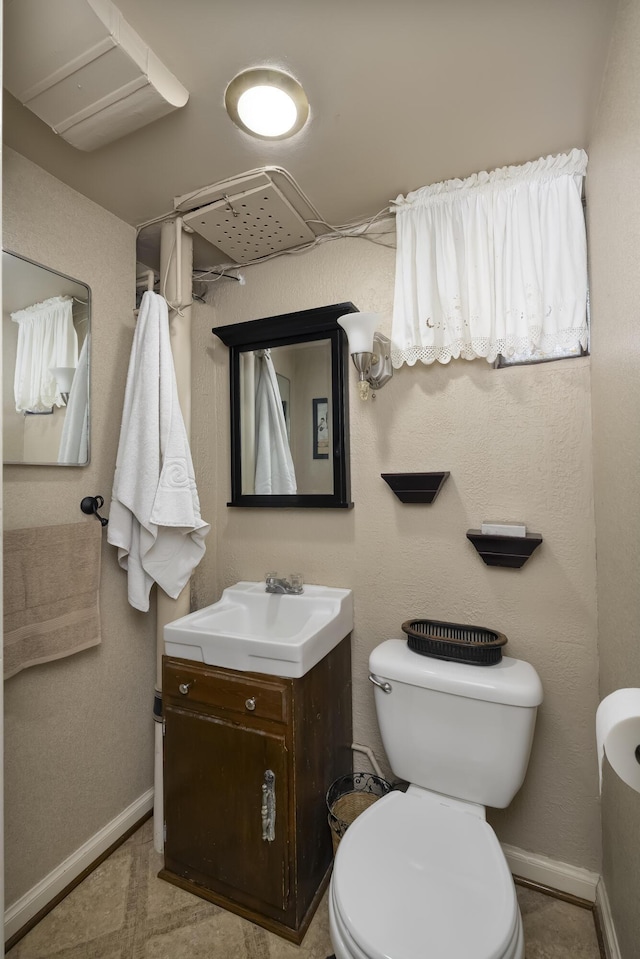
(349, 796)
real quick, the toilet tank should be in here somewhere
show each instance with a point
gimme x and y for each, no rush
(462, 730)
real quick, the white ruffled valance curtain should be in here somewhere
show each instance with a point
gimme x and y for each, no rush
(46, 339)
(494, 264)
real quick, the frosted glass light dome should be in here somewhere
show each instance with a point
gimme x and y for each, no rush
(267, 103)
(267, 111)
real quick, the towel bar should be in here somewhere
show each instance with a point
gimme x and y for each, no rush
(91, 504)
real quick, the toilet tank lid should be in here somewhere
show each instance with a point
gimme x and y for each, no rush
(510, 682)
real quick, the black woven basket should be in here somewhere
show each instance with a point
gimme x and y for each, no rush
(461, 644)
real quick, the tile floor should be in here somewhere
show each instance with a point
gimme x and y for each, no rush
(123, 911)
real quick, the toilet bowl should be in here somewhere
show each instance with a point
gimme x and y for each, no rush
(421, 876)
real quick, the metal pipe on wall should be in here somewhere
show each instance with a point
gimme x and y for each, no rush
(146, 278)
(176, 272)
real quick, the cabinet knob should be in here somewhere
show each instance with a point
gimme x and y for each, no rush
(250, 703)
(184, 688)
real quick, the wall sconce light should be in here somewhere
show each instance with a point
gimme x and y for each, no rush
(64, 379)
(370, 350)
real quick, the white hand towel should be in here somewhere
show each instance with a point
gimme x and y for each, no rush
(155, 512)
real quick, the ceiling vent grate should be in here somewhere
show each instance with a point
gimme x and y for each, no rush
(253, 215)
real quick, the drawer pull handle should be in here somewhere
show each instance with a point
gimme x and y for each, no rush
(268, 807)
(250, 704)
(184, 688)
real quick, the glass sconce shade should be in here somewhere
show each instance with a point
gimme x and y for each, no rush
(370, 350)
(359, 328)
(64, 377)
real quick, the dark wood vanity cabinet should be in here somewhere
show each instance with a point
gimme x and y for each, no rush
(248, 759)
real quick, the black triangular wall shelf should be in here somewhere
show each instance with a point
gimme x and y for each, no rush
(415, 487)
(510, 551)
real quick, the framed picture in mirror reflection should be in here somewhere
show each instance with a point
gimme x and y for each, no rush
(321, 428)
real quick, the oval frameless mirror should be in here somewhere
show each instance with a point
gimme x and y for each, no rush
(45, 354)
(289, 405)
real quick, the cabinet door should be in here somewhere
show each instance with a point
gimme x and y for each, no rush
(214, 773)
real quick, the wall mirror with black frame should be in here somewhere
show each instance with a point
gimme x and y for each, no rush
(289, 409)
(45, 362)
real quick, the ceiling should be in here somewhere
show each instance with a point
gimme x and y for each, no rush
(402, 94)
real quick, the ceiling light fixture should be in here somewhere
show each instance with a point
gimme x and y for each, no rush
(267, 103)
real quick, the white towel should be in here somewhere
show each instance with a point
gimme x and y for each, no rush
(275, 473)
(155, 513)
(74, 442)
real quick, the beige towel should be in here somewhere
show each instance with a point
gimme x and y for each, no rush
(51, 593)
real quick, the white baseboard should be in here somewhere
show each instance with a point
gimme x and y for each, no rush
(611, 947)
(549, 872)
(25, 908)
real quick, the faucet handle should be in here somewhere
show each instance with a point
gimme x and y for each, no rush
(296, 582)
(269, 577)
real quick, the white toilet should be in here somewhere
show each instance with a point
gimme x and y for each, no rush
(421, 874)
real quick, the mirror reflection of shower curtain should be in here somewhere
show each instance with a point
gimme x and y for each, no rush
(74, 442)
(275, 473)
(248, 369)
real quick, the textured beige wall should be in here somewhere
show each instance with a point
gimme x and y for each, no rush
(312, 381)
(78, 732)
(518, 445)
(613, 210)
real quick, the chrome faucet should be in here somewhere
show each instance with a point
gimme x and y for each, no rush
(278, 584)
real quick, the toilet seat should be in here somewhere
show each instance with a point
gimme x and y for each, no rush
(343, 944)
(415, 877)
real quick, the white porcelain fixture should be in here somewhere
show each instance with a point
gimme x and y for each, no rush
(274, 633)
(422, 873)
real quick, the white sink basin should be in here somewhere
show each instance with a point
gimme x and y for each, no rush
(276, 633)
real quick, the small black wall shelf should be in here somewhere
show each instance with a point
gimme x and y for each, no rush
(415, 487)
(509, 551)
